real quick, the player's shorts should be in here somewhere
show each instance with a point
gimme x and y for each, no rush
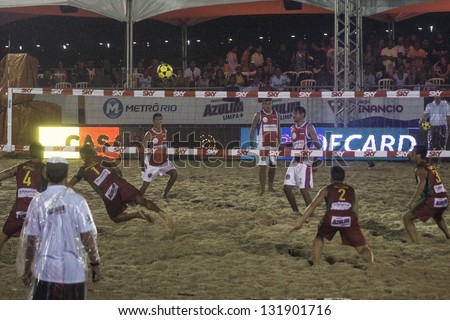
(151, 172)
(300, 175)
(430, 207)
(267, 160)
(14, 223)
(44, 290)
(348, 227)
(118, 197)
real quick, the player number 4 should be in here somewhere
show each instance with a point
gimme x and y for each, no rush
(27, 179)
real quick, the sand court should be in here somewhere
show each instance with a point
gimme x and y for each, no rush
(230, 243)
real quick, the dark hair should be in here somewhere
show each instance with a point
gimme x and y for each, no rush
(157, 115)
(422, 150)
(300, 109)
(56, 172)
(36, 150)
(86, 151)
(337, 173)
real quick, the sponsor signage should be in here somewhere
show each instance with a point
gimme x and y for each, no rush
(352, 139)
(60, 137)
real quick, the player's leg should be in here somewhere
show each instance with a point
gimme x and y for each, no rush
(289, 192)
(306, 183)
(291, 182)
(365, 253)
(440, 221)
(150, 205)
(127, 215)
(306, 196)
(3, 239)
(173, 175)
(262, 179)
(148, 175)
(271, 179)
(144, 187)
(408, 222)
(318, 245)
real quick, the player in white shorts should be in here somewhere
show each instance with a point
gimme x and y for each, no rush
(267, 124)
(299, 174)
(156, 161)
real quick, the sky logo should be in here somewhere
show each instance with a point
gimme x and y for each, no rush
(113, 108)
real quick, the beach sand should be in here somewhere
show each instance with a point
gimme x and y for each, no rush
(230, 243)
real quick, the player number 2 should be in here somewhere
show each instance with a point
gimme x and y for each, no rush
(27, 179)
(342, 193)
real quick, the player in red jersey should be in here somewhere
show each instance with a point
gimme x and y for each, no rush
(430, 199)
(267, 124)
(299, 173)
(105, 178)
(156, 162)
(341, 215)
(30, 178)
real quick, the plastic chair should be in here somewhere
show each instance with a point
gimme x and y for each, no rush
(304, 75)
(82, 85)
(308, 85)
(436, 83)
(59, 77)
(292, 75)
(63, 85)
(385, 84)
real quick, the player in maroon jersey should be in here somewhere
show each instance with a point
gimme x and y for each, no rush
(267, 125)
(430, 198)
(156, 162)
(30, 178)
(299, 174)
(105, 178)
(341, 215)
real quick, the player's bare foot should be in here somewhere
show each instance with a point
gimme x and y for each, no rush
(146, 216)
(271, 190)
(261, 192)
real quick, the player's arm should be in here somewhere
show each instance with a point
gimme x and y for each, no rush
(425, 115)
(256, 119)
(310, 209)
(90, 246)
(448, 117)
(30, 250)
(76, 178)
(8, 173)
(278, 129)
(313, 134)
(145, 144)
(421, 174)
(356, 205)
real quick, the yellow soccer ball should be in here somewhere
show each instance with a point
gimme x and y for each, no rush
(425, 125)
(165, 71)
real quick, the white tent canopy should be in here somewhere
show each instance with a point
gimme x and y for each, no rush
(144, 9)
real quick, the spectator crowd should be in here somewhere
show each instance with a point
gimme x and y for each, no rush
(409, 61)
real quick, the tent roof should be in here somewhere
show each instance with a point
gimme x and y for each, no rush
(180, 9)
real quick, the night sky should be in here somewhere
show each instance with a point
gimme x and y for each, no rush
(84, 36)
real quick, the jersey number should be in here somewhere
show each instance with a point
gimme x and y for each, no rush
(342, 193)
(438, 178)
(27, 179)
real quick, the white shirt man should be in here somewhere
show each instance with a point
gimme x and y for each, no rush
(59, 230)
(438, 111)
(279, 80)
